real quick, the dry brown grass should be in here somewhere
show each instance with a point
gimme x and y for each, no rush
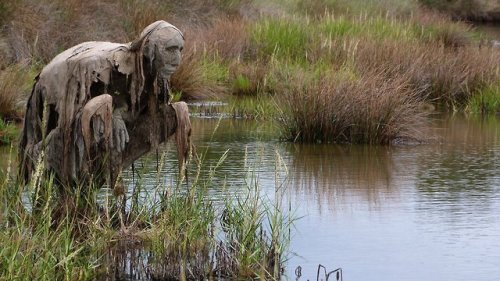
(446, 75)
(14, 87)
(139, 14)
(438, 27)
(223, 42)
(42, 29)
(374, 110)
(227, 38)
(192, 81)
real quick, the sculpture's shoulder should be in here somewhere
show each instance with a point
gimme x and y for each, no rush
(87, 55)
(87, 50)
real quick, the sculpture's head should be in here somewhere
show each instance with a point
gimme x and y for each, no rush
(163, 50)
(161, 44)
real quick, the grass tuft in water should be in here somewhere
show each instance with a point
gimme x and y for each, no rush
(373, 110)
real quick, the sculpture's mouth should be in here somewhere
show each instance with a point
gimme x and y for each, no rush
(166, 72)
(163, 81)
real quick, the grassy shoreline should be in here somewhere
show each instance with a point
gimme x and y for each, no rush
(249, 53)
(167, 233)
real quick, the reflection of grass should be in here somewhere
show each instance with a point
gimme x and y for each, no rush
(260, 107)
(61, 235)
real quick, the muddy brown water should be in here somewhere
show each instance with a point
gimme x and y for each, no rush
(424, 212)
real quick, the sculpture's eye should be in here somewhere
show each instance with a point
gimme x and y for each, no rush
(181, 48)
(172, 48)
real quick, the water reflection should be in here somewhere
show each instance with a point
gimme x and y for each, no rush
(331, 173)
(464, 168)
(427, 212)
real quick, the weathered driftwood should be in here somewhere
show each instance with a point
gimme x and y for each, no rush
(98, 106)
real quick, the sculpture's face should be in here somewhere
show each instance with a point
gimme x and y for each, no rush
(166, 55)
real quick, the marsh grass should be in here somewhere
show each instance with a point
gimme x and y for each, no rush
(442, 75)
(487, 101)
(318, 8)
(167, 232)
(8, 132)
(376, 27)
(38, 234)
(15, 83)
(198, 77)
(373, 110)
(282, 39)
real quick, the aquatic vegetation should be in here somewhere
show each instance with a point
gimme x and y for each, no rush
(198, 77)
(373, 110)
(164, 232)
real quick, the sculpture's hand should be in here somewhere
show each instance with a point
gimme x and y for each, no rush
(98, 112)
(120, 136)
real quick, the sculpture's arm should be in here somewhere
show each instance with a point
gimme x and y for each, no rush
(107, 123)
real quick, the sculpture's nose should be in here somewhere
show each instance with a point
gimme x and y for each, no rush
(176, 59)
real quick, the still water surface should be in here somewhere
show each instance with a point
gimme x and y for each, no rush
(425, 212)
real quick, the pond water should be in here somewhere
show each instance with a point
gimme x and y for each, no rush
(424, 212)
(420, 212)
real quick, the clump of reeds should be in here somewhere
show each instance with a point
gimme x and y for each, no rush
(52, 232)
(373, 109)
(39, 231)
